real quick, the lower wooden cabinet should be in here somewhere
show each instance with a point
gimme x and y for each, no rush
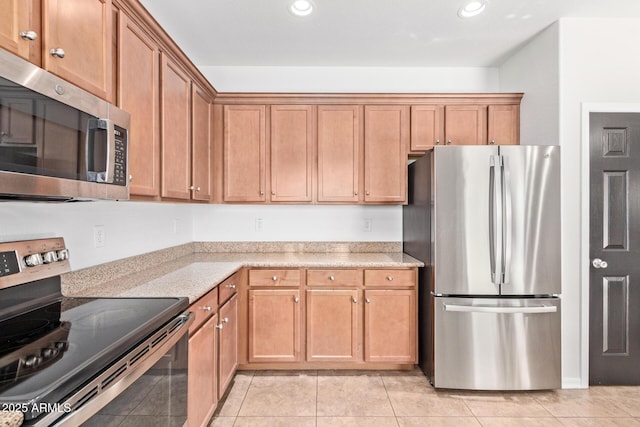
(202, 380)
(390, 325)
(332, 325)
(228, 343)
(274, 325)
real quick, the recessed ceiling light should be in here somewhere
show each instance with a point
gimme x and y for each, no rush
(301, 7)
(472, 8)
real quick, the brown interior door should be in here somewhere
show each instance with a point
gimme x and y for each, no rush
(614, 324)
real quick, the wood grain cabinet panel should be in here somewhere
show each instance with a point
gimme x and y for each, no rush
(346, 277)
(339, 153)
(83, 30)
(139, 94)
(465, 124)
(390, 325)
(332, 325)
(427, 127)
(202, 378)
(176, 130)
(275, 277)
(385, 153)
(228, 343)
(292, 144)
(244, 144)
(503, 124)
(201, 160)
(274, 325)
(16, 18)
(390, 278)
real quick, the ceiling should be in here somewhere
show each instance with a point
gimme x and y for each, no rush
(373, 33)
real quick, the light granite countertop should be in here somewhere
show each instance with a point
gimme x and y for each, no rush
(11, 419)
(195, 274)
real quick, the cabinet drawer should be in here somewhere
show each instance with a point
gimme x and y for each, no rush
(390, 278)
(334, 277)
(203, 309)
(228, 287)
(282, 277)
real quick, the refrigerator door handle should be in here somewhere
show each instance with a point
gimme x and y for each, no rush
(500, 310)
(508, 223)
(495, 219)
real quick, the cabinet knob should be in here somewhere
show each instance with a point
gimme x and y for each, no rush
(296, 300)
(28, 35)
(355, 193)
(367, 193)
(192, 188)
(261, 193)
(273, 193)
(332, 278)
(231, 286)
(57, 52)
(437, 142)
(197, 189)
(448, 142)
(225, 320)
(390, 278)
(367, 300)
(130, 178)
(206, 308)
(492, 142)
(274, 278)
(355, 301)
(220, 326)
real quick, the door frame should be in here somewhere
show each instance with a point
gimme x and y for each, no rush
(585, 261)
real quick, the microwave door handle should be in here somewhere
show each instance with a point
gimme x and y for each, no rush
(93, 174)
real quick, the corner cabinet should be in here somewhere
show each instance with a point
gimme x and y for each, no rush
(386, 133)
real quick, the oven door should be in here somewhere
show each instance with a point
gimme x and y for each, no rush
(146, 387)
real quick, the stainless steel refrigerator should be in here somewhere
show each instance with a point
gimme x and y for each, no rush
(485, 220)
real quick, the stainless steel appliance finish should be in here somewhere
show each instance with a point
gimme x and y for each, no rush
(65, 361)
(74, 144)
(486, 222)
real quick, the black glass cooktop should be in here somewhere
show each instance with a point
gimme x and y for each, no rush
(48, 352)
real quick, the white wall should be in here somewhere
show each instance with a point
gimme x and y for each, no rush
(352, 79)
(226, 223)
(131, 228)
(573, 63)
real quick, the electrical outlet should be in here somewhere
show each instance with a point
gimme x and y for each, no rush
(259, 224)
(99, 236)
(367, 225)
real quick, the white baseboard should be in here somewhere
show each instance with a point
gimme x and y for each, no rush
(568, 383)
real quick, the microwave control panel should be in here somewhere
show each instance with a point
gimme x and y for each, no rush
(120, 163)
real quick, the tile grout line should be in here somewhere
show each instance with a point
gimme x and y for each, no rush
(253, 375)
(384, 384)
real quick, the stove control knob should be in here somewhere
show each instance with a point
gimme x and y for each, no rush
(33, 260)
(63, 254)
(31, 361)
(49, 257)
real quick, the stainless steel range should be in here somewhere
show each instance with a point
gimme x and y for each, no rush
(67, 361)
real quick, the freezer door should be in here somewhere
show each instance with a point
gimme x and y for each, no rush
(461, 225)
(531, 220)
(497, 344)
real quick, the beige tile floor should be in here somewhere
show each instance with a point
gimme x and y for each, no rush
(406, 399)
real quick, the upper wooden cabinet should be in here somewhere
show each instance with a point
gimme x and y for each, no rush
(77, 43)
(465, 124)
(386, 136)
(504, 124)
(339, 153)
(427, 126)
(175, 112)
(201, 162)
(139, 94)
(291, 145)
(244, 144)
(19, 32)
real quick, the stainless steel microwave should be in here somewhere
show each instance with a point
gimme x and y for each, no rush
(58, 142)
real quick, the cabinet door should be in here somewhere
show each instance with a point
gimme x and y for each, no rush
(228, 341)
(201, 388)
(291, 153)
(201, 144)
(244, 143)
(385, 151)
(390, 326)
(338, 153)
(16, 120)
(176, 131)
(332, 325)
(79, 33)
(504, 124)
(15, 20)
(138, 93)
(427, 127)
(465, 124)
(274, 325)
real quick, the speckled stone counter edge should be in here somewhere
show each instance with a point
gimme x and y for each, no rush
(11, 419)
(104, 273)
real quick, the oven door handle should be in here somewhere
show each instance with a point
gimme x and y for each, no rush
(109, 384)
